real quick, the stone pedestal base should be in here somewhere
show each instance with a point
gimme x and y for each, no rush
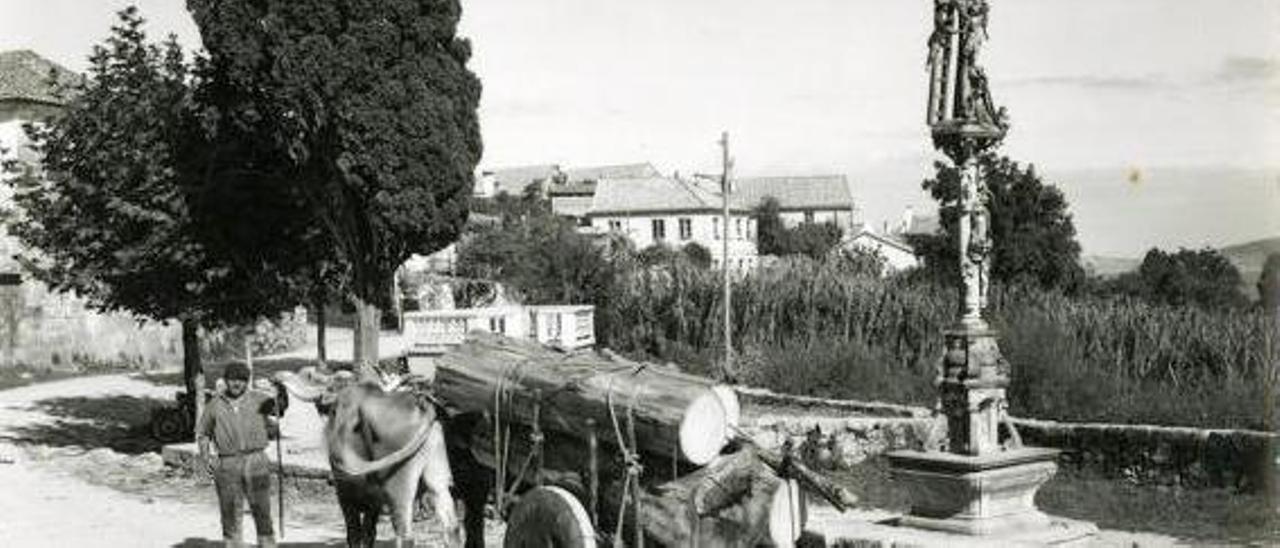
(989, 495)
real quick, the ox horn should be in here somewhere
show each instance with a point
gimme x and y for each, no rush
(351, 463)
(299, 387)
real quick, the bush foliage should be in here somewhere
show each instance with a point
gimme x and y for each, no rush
(835, 328)
(819, 328)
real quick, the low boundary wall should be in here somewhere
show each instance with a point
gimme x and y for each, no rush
(840, 433)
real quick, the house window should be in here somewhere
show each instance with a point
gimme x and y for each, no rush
(659, 229)
(737, 223)
(686, 229)
(808, 216)
(615, 226)
(715, 227)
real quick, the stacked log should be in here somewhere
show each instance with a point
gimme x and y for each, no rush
(671, 413)
(693, 487)
(735, 500)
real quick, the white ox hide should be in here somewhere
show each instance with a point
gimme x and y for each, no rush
(383, 450)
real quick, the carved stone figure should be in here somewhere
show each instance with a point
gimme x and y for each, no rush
(944, 17)
(958, 90)
(979, 249)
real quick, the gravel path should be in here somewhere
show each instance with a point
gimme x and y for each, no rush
(53, 474)
(76, 470)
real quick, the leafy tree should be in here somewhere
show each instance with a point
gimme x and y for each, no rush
(108, 218)
(860, 262)
(373, 104)
(771, 233)
(1032, 234)
(774, 238)
(511, 210)
(1203, 278)
(697, 255)
(815, 240)
(658, 255)
(543, 259)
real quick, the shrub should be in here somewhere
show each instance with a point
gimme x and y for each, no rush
(825, 327)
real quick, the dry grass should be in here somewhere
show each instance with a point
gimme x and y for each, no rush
(819, 328)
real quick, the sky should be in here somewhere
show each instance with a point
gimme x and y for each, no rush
(1108, 87)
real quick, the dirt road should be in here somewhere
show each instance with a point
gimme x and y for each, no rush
(79, 470)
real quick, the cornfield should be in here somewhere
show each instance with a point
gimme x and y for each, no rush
(1074, 358)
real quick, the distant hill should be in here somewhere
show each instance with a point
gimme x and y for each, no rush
(1109, 267)
(1249, 258)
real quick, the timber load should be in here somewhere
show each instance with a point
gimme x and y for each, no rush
(738, 499)
(646, 408)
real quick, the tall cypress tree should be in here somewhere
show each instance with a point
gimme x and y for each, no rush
(373, 107)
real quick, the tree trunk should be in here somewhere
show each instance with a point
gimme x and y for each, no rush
(192, 369)
(365, 345)
(673, 413)
(320, 328)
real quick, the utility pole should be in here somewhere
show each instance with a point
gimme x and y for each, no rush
(727, 164)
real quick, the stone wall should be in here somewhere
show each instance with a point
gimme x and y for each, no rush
(831, 434)
(44, 329)
(1192, 457)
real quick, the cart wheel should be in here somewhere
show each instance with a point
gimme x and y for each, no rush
(169, 425)
(549, 517)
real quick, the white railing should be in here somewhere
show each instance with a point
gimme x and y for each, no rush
(563, 326)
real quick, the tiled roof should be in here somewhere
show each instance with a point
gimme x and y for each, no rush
(581, 181)
(808, 192)
(891, 240)
(577, 188)
(652, 194)
(623, 171)
(24, 76)
(513, 180)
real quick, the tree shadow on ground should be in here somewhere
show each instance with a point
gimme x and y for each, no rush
(117, 422)
(262, 369)
(335, 542)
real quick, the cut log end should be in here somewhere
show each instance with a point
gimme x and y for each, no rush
(704, 429)
(549, 516)
(732, 409)
(787, 514)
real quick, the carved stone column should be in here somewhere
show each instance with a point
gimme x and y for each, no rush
(983, 481)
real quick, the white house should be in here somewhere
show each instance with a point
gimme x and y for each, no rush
(801, 199)
(674, 212)
(897, 253)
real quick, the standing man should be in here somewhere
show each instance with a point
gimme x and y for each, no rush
(235, 423)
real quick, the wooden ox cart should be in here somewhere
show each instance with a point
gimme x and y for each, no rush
(582, 449)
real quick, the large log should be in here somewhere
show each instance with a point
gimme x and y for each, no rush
(674, 413)
(736, 500)
(733, 501)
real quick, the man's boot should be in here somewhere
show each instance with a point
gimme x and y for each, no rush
(233, 543)
(268, 541)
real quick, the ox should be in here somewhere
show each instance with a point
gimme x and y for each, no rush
(384, 450)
